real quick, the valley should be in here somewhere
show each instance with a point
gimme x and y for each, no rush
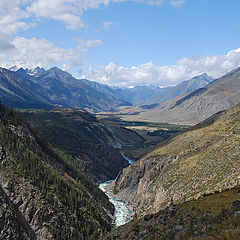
(119, 120)
(121, 168)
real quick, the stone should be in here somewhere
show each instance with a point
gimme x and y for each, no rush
(179, 227)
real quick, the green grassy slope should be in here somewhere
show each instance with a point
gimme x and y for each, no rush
(215, 216)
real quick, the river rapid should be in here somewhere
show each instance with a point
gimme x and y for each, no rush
(122, 213)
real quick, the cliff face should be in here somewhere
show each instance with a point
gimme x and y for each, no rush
(194, 163)
(45, 193)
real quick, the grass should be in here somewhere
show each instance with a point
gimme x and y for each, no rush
(211, 217)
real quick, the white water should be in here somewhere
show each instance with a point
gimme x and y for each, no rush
(128, 159)
(122, 212)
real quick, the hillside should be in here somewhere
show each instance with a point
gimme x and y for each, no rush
(197, 162)
(214, 216)
(194, 107)
(18, 91)
(81, 135)
(45, 193)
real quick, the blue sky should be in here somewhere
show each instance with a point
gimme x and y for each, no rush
(120, 42)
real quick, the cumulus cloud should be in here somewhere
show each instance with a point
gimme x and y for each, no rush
(33, 52)
(148, 73)
(12, 16)
(70, 11)
(14, 13)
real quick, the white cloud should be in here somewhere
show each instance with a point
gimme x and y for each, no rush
(148, 2)
(107, 25)
(12, 16)
(177, 3)
(14, 13)
(149, 73)
(30, 53)
(83, 45)
(5, 42)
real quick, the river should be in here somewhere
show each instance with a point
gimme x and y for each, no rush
(122, 213)
(128, 159)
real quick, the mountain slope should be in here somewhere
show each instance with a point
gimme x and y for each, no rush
(17, 90)
(182, 88)
(186, 167)
(139, 94)
(65, 90)
(215, 216)
(80, 134)
(193, 108)
(47, 192)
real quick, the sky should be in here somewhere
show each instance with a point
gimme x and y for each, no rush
(122, 43)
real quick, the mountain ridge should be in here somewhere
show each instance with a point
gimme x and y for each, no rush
(196, 106)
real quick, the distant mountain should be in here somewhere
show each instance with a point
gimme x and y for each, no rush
(130, 96)
(32, 87)
(63, 89)
(55, 87)
(17, 90)
(181, 89)
(194, 107)
(139, 94)
(34, 72)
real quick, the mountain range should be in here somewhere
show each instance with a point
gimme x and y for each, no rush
(186, 187)
(17, 90)
(181, 89)
(40, 88)
(62, 89)
(198, 105)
